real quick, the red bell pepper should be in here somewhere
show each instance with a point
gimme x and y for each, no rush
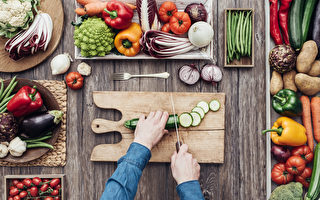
(284, 19)
(117, 14)
(26, 101)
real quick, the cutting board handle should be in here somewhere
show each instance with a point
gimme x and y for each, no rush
(104, 126)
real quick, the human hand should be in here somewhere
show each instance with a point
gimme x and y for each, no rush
(183, 166)
(150, 131)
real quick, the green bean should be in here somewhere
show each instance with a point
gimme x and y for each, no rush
(6, 100)
(234, 27)
(8, 88)
(38, 139)
(10, 91)
(228, 35)
(245, 34)
(39, 144)
(2, 87)
(4, 108)
(250, 37)
(238, 33)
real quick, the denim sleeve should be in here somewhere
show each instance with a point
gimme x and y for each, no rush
(190, 191)
(123, 183)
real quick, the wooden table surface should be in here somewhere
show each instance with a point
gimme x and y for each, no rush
(242, 176)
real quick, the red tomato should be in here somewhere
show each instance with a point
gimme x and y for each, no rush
(23, 194)
(10, 198)
(45, 180)
(279, 175)
(74, 80)
(180, 23)
(166, 10)
(303, 151)
(44, 187)
(27, 182)
(54, 182)
(36, 181)
(55, 192)
(305, 177)
(48, 198)
(12, 187)
(56, 198)
(20, 185)
(166, 28)
(34, 191)
(14, 192)
(295, 165)
(15, 181)
(58, 187)
(16, 197)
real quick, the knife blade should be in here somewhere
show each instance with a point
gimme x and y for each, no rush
(178, 144)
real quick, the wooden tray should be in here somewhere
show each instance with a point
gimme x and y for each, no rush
(205, 53)
(55, 9)
(244, 61)
(8, 178)
(51, 104)
(206, 142)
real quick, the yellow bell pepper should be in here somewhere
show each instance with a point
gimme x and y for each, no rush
(127, 41)
(286, 131)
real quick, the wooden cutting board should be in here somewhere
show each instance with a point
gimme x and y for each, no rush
(206, 142)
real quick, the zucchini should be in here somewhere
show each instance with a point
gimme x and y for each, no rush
(314, 188)
(214, 105)
(316, 27)
(307, 14)
(196, 118)
(295, 24)
(199, 110)
(132, 124)
(204, 105)
(186, 120)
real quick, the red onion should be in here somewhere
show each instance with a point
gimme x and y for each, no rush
(189, 74)
(280, 153)
(197, 12)
(211, 73)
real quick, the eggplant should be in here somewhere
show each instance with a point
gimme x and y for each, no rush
(38, 124)
(316, 27)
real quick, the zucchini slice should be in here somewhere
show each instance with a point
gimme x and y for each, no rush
(204, 105)
(186, 120)
(214, 105)
(196, 118)
(199, 110)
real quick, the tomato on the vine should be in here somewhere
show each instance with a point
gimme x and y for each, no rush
(54, 182)
(55, 192)
(56, 198)
(20, 185)
(44, 187)
(16, 197)
(14, 191)
(23, 194)
(36, 181)
(10, 198)
(45, 180)
(27, 182)
(34, 191)
(12, 187)
(58, 187)
(295, 165)
(48, 198)
(15, 181)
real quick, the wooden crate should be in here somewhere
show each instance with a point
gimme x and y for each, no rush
(9, 178)
(244, 61)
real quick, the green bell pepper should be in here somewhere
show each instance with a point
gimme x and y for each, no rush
(287, 103)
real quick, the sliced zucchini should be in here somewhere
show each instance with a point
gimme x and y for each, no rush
(204, 105)
(196, 118)
(214, 105)
(200, 111)
(186, 120)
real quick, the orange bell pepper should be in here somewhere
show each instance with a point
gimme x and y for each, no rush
(127, 41)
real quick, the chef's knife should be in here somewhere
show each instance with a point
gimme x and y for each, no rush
(178, 144)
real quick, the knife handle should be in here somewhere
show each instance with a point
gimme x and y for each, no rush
(178, 146)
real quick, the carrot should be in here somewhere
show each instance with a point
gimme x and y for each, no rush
(80, 11)
(85, 2)
(306, 119)
(133, 7)
(95, 8)
(315, 109)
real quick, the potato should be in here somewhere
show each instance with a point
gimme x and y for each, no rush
(276, 83)
(307, 56)
(315, 68)
(288, 80)
(307, 84)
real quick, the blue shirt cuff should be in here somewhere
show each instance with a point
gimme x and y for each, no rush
(137, 155)
(190, 190)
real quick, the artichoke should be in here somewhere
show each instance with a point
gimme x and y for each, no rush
(8, 127)
(282, 58)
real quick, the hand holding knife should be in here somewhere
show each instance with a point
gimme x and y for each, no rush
(179, 143)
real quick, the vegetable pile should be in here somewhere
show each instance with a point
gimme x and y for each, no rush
(181, 32)
(35, 188)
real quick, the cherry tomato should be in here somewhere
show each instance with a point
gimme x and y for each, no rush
(45, 180)
(36, 181)
(44, 187)
(14, 192)
(55, 192)
(295, 165)
(20, 185)
(54, 182)
(16, 197)
(56, 198)
(15, 181)
(74, 80)
(23, 194)
(12, 187)
(303, 151)
(34, 191)
(27, 182)
(58, 187)
(48, 198)
(10, 198)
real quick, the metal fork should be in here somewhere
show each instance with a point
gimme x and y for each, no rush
(127, 76)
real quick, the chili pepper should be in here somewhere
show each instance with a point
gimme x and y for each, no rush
(274, 23)
(286, 131)
(284, 19)
(26, 101)
(287, 103)
(117, 14)
(127, 41)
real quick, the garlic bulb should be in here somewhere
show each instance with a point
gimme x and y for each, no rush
(17, 147)
(60, 63)
(84, 69)
(3, 150)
